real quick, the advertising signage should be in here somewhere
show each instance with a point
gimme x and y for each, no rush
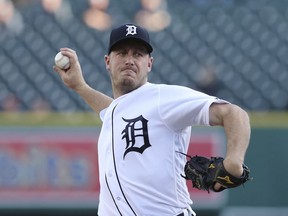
(59, 167)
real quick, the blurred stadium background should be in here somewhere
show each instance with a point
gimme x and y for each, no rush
(234, 49)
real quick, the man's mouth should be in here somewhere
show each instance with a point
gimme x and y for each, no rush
(128, 70)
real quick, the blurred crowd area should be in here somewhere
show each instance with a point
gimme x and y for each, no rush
(233, 49)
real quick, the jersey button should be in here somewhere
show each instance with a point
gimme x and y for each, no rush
(118, 198)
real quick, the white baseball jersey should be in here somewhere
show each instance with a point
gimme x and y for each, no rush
(139, 167)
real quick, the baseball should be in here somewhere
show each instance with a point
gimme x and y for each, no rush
(62, 61)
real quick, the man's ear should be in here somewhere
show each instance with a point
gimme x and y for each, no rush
(107, 62)
(150, 63)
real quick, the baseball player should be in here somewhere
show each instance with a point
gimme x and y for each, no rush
(144, 127)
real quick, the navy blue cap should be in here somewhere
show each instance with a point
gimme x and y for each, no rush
(129, 31)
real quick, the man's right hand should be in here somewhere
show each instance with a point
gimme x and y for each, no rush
(72, 77)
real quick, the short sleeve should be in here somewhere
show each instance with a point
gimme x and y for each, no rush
(181, 107)
(102, 114)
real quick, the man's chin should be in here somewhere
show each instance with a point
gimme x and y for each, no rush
(128, 84)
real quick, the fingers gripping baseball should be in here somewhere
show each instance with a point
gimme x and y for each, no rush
(72, 76)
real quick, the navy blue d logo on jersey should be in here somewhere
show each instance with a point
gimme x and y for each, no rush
(136, 135)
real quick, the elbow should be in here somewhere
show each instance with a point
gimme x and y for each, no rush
(238, 117)
(244, 116)
(222, 114)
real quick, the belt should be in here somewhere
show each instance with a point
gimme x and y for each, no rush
(182, 214)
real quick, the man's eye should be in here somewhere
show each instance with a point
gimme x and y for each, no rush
(121, 53)
(138, 54)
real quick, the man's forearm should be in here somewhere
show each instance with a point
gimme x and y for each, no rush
(95, 99)
(237, 129)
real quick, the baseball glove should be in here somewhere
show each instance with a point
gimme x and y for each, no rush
(206, 172)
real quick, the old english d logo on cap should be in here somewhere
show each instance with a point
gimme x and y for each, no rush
(128, 32)
(131, 30)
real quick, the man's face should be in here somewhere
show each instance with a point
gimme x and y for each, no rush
(128, 64)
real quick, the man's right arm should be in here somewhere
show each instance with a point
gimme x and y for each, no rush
(95, 99)
(73, 78)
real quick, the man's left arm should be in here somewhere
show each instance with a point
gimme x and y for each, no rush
(236, 124)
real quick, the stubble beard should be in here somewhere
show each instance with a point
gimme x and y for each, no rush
(127, 85)
(123, 86)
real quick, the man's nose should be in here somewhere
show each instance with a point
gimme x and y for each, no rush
(129, 59)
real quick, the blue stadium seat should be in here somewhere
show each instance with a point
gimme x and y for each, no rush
(245, 42)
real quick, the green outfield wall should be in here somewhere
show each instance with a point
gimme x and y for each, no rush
(268, 160)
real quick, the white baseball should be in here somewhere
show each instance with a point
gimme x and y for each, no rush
(62, 61)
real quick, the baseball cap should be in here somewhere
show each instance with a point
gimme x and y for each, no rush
(129, 31)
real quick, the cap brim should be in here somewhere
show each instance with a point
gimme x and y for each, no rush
(148, 46)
